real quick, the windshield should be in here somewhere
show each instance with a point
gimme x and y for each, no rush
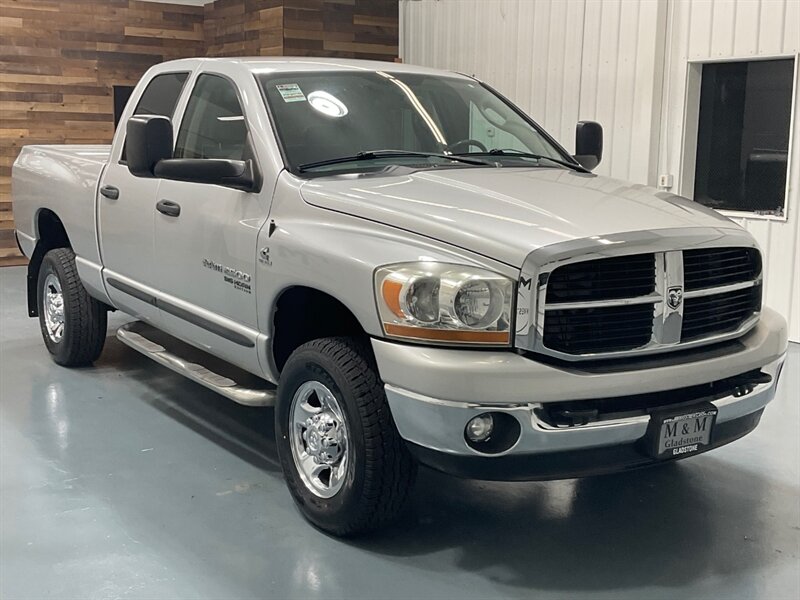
(323, 116)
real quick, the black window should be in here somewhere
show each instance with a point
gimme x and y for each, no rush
(160, 97)
(122, 94)
(213, 125)
(743, 135)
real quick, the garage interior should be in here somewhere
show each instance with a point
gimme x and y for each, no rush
(126, 480)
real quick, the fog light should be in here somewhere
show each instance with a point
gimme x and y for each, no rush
(479, 429)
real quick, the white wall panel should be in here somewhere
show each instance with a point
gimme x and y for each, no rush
(529, 51)
(626, 64)
(560, 60)
(708, 30)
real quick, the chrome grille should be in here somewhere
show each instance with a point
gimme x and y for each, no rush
(603, 279)
(648, 302)
(604, 329)
(713, 267)
(719, 313)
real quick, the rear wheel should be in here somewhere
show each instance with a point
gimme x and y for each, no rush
(344, 461)
(73, 323)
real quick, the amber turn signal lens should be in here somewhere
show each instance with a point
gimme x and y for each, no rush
(391, 295)
(447, 335)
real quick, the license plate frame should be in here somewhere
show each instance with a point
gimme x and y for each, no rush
(681, 432)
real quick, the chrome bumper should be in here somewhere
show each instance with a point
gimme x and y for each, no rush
(514, 384)
(439, 424)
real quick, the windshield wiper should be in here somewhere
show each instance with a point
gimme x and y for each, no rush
(520, 154)
(377, 154)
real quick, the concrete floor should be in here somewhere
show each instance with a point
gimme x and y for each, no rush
(127, 481)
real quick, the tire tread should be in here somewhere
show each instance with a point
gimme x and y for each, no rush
(389, 469)
(85, 317)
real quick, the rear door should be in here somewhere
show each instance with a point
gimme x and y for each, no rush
(206, 238)
(126, 211)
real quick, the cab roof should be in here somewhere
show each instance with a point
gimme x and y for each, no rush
(276, 64)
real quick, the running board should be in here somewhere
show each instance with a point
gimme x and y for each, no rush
(223, 378)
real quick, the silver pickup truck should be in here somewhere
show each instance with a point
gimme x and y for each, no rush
(408, 268)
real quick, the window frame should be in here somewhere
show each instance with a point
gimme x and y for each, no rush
(691, 122)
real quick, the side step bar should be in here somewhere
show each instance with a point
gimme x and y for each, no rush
(186, 360)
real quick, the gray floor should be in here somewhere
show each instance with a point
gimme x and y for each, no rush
(126, 481)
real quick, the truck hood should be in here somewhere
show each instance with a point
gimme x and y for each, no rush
(506, 213)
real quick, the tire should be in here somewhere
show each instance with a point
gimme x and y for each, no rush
(376, 471)
(82, 333)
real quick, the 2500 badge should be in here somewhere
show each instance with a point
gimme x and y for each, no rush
(238, 279)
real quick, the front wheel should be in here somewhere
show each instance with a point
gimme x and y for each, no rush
(344, 461)
(73, 323)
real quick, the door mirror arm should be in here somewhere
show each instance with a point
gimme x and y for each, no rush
(236, 174)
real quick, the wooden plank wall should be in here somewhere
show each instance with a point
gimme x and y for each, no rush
(60, 58)
(341, 28)
(244, 28)
(58, 62)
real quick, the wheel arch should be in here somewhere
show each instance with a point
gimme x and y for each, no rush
(303, 313)
(50, 233)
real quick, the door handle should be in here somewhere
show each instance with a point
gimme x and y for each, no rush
(169, 208)
(110, 192)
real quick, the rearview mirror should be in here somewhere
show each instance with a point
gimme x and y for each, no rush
(588, 143)
(148, 140)
(237, 174)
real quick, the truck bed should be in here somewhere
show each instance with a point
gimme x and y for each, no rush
(62, 179)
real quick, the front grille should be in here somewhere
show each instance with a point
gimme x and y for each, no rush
(719, 313)
(713, 267)
(648, 302)
(606, 329)
(603, 279)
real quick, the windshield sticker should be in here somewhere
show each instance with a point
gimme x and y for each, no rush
(290, 92)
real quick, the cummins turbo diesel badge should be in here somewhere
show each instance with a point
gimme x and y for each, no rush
(238, 279)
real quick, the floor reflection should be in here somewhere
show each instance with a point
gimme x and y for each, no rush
(667, 526)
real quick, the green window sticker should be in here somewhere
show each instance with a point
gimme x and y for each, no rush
(290, 92)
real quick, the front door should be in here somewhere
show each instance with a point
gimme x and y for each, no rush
(126, 213)
(206, 235)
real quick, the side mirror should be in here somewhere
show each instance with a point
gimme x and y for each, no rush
(237, 174)
(588, 143)
(148, 140)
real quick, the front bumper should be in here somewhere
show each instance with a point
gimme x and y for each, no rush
(567, 464)
(433, 392)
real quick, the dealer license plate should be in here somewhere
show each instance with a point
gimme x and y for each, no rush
(683, 434)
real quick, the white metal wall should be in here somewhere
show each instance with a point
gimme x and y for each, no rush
(702, 31)
(624, 63)
(535, 65)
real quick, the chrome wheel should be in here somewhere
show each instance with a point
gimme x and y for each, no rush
(318, 439)
(53, 306)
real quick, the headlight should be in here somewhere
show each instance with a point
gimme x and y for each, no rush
(438, 302)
